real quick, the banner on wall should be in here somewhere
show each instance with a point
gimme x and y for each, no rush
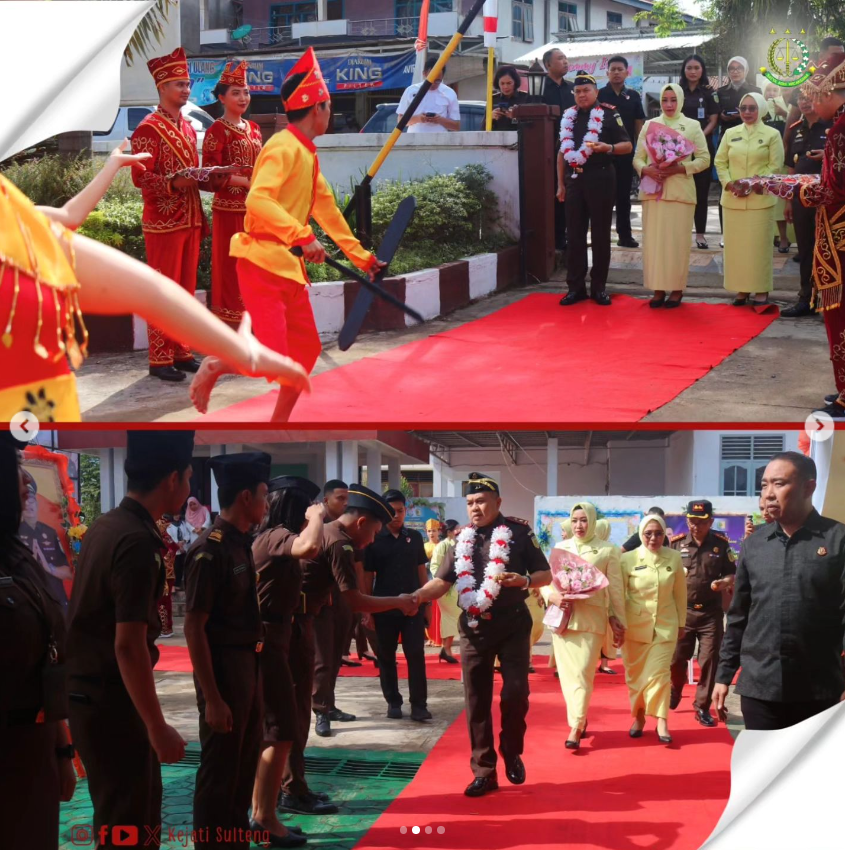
(596, 66)
(829, 455)
(419, 511)
(344, 74)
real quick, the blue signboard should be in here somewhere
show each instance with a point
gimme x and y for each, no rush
(344, 74)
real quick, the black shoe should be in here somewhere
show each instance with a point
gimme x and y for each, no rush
(628, 242)
(482, 785)
(515, 771)
(348, 662)
(656, 303)
(292, 839)
(323, 727)
(192, 365)
(167, 373)
(576, 744)
(341, 716)
(740, 302)
(831, 399)
(394, 712)
(835, 410)
(602, 299)
(444, 656)
(317, 795)
(671, 303)
(607, 670)
(664, 739)
(420, 713)
(572, 298)
(796, 258)
(801, 308)
(306, 804)
(531, 668)
(705, 718)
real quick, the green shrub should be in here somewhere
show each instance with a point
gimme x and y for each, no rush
(52, 180)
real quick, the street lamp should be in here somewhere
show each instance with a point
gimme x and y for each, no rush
(536, 76)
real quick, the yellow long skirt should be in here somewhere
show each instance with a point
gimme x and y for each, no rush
(576, 658)
(647, 676)
(666, 244)
(449, 613)
(537, 612)
(748, 249)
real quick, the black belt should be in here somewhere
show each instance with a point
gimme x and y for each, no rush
(19, 717)
(592, 168)
(705, 606)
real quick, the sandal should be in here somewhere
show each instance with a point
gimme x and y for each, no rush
(784, 250)
(701, 243)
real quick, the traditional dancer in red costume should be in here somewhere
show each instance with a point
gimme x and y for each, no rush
(173, 222)
(231, 140)
(287, 190)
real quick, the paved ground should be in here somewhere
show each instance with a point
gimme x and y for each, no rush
(780, 376)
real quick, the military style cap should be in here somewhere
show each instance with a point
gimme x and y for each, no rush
(294, 482)
(584, 79)
(157, 451)
(241, 470)
(700, 509)
(363, 499)
(479, 483)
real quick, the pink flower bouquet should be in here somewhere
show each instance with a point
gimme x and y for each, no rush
(665, 147)
(574, 578)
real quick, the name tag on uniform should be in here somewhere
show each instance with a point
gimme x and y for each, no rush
(700, 113)
(240, 568)
(640, 568)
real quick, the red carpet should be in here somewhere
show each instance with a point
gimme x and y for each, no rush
(523, 353)
(616, 793)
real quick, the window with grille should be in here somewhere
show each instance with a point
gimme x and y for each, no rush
(743, 460)
(614, 20)
(567, 17)
(522, 17)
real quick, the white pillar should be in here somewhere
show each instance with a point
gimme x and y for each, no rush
(551, 466)
(349, 461)
(332, 464)
(118, 475)
(374, 469)
(394, 473)
(106, 481)
(438, 479)
(322, 10)
(453, 488)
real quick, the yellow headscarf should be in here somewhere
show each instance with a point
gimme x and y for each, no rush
(762, 107)
(679, 93)
(650, 518)
(590, 510)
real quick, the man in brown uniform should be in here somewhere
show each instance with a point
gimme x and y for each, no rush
(501, 629)
(709, 564)
(224, 633)
(365, 514)
(115, 718)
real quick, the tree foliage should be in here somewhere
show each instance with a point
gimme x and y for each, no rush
(89, 487)
(150, 31)
(666, 15)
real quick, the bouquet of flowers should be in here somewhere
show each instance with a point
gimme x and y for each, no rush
(666, 147)
(573, 578)
(780, 185)
(75, 533)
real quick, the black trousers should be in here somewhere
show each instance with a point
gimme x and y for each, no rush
(708, 627)
(301, 662)
(804, 222)
(624, 166)
(589, 206)
(702, 195)
(226, 775)
(390, 625)
(507, 634)
(124, 774)
(766, 715)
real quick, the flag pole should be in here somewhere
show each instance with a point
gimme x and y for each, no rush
(421, 44)
(491, 61)
(491, 25)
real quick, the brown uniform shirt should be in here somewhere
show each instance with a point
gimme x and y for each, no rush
(335, 565)
(526, 557)
(704, 564)
(220, 580)
(279, 573)
(119, 579)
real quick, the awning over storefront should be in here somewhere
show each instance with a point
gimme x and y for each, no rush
(578, 48)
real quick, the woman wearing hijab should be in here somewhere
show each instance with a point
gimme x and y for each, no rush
(434, 531)
(731, 94)
(578, 649)
(198, 519)
(447, 605)
(668, 217)
(750, 150)
(656, 612)
(38, 769)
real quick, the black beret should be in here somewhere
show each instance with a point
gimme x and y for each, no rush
(479, 483)
(294, 482)
(241, 470)
(363, 499)
(157, 451)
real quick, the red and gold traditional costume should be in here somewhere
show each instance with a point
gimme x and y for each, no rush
(287, 191)
(227, 144)
(829, 196)
(173, 221)
(39, 313)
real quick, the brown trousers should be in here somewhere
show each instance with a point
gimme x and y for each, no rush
(331, 628)
(708, 627)
(507, 634)
(301, 660)
(228, 762)
(124, 774)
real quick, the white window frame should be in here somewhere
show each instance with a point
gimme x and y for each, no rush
(525, 24)
(567, 21)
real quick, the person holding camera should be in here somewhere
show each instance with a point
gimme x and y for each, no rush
(506, 95)
(438, 112)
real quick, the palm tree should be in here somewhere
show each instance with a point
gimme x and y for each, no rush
(151, 28)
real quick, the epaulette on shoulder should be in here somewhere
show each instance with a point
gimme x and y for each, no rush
(675, 538)
(720, 536)
(519, 520)
(607, 106)
(796, 124)
(216, 536)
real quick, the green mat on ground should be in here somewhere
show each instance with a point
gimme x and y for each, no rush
(361, 783)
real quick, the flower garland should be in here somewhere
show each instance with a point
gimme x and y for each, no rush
(476, 601)
(576, 158)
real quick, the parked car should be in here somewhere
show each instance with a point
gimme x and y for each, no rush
(384, 119)
(129, 117)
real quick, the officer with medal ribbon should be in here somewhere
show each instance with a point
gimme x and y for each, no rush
(495, 561)
(710, 566)
(591, 133)
(224, 632)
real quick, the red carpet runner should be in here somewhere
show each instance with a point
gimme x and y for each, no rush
(524, 355)
(616, 793)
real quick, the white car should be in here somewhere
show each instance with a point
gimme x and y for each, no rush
(129, 117)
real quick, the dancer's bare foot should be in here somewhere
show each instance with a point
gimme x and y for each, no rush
(210, 371)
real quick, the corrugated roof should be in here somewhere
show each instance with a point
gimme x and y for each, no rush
(581, 48)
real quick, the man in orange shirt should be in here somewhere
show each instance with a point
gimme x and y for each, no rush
(287, 190)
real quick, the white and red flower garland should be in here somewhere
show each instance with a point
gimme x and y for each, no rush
(576, 158)
(477, 601)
